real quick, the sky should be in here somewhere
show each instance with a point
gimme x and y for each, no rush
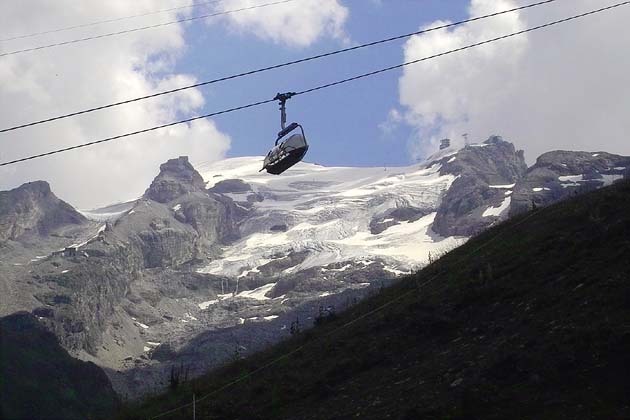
(566, 87)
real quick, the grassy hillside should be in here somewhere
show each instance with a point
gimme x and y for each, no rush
(39, 379)
(531, 319)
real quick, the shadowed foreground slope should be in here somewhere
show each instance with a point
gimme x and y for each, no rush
(39, 379)
(531, 317)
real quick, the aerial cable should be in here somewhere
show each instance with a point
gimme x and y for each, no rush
(158, 25)
(328, 85)
(273, 67)
(146, 130)
(118, 19)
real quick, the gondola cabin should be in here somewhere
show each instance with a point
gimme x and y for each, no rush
(290, 148)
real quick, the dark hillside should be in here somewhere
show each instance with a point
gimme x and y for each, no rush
(529, 319)
(39, 379)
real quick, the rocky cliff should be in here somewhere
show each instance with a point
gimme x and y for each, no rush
(34, 209)
(80, 291)
(177, 220)
(493, 182)
(560, 174)
(177, 177)
(485, 174)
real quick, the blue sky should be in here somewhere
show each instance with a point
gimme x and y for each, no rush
(342, 123)
(561, 88)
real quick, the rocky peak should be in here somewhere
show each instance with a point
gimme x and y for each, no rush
(178, 220)
(485, 174)
(571, 163)
(176, 178)
(35, 188)
(494, 161)
(33, 208)
(559, 174)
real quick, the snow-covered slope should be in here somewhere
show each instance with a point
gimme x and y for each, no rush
(332, 212)
(110, 213)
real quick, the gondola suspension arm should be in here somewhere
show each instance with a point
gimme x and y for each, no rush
(283, 98)
(287, 150)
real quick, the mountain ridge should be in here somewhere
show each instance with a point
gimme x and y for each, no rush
(220, 256)
(529, 316)
(33, 208)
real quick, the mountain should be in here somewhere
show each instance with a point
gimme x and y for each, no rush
(560, 174)
(39, 379)
(528, 317)
(33, 209)
(33, 224)
(217, 259)
(481, 194)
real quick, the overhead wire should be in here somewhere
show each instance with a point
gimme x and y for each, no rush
(325, 86)
(273, 67)
(118, 19)
(143, 28)
(134, 133)
(476, 44)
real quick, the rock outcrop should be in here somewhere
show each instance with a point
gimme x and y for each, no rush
(177, 177)
(485, 175)
(82, 289)
(178, 220)
(560, 174)
(393, 217)
(80, 293)
(34, 209)
(230, 186)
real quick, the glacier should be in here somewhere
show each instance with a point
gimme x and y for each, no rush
(328, 211)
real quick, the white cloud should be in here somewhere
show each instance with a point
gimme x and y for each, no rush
(296, 24)
(564, 87)
(58, 80)
(393, 121)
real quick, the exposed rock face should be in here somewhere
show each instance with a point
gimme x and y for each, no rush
(485, 174)
(177, 177)
(155, 236)
(81, 290)
(213, 216)
(152, 235)
(394, 217)
(178, 220)
(560, 174)
(33, 208)
(80, 294)
(230, 186)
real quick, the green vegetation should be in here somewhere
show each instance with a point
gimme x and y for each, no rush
(531, 319)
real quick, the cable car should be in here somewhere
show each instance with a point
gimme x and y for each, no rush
(289, 148)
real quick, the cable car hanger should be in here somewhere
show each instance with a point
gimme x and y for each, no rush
(287, 151)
